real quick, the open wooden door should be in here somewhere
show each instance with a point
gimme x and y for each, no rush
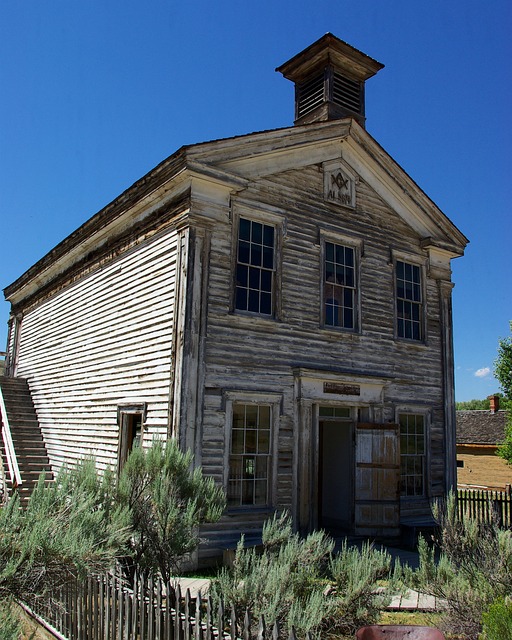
(377, 488)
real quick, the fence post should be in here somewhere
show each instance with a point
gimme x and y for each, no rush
(246, 632)
(261, 628)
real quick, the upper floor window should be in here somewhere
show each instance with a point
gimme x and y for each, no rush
(412, 454)
(409, 304)
(249, 459)
(255, 268)
(339, 295)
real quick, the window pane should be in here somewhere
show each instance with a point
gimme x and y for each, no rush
(237, 441)
(251, 416)
(254, 278)
(263, 441)
(339, 286)
(266, 281)
(266, 304)
(254, 301)
(268, 236)
(256, 255)
(251, 440)
(348, 319)
(255, 248)
(244, 252)
(412, 454)
(268, 257)
(409, 309)
(264, 416)
(257, 233)
(242, 275)
(241, 298)
(245, 229)
(250, 455)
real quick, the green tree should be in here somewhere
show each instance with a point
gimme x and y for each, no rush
(68, 528)
(503, 373)
(473, 405)
(167, 501)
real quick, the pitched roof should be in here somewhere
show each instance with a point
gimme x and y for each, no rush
(481, 427)
(233, 163)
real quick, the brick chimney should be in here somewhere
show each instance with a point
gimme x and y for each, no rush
(329, 78)
(495, 403)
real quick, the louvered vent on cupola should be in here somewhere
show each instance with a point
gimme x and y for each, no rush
(329, 79)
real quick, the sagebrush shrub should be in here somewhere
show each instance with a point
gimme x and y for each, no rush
(497, 621)
(300, 583)
(469, 568)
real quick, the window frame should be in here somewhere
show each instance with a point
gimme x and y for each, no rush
(424, 456)
(419, 263)
(268, 221)
(356, 246)
(273, 401)
(127, 438)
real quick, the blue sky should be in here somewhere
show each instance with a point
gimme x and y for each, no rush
(94, 94)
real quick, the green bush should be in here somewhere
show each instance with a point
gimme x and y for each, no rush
(470, 567)
(167, 501)
(299, 582)
(68, 528)
(10, 627)
(283, 583)
(497, 621)
(357, 573)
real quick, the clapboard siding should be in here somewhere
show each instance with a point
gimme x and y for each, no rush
(103, 341)
(100, 323)
(248, 353)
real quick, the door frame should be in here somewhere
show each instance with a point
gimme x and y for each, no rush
(349, 423)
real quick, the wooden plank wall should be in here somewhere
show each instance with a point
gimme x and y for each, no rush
(258, 354)
(103, 341)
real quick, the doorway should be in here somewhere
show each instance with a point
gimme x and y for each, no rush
(131, 428)
(336, 470)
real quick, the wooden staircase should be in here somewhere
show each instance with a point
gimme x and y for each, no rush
(26, 436)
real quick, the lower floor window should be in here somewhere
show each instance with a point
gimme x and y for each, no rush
(249, 460)
(412, 454)
(131, 422)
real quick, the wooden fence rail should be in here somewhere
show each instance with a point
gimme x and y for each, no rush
(108, 608)
(487, 506)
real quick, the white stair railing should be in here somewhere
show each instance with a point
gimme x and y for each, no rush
(10, 453)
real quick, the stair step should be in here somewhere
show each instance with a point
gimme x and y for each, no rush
(26, 435)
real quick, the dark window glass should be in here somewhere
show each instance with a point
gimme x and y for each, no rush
(249, 461)
(412, 454)
(255, 267)
(409, 308)
(339, 294)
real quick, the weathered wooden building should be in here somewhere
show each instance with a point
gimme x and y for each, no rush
(479, 433)
(280, 302)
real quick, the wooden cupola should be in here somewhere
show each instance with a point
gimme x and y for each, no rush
(329, 78)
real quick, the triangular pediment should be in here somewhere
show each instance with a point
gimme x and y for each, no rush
(346, 153)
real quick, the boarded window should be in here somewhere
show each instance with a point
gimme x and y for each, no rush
(412, 454)
(249, 460)
(255, 267)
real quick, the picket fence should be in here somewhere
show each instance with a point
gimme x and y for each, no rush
(108, 608)
(487, 505)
